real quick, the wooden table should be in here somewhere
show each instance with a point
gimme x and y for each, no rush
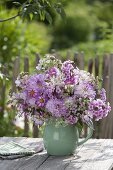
(95, 154)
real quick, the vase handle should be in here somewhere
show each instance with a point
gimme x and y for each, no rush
(88, 137)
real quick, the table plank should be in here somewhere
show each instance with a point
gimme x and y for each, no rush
(88, 149)
(102, 158)
(95, 154)
(27, 162)
(58, 162)
(68, 162)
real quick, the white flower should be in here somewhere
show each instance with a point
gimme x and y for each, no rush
(17, 82)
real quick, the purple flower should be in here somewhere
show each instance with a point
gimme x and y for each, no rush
(37, 121)
(56, 107)
(72, 80)
(32, 92)
(67, 67)
(71, 119)
(53, 72)
(98, 109)
(41, 101)
(49, 90)
(84, 90)
(37, 80)
(103, 94)
(32, 102)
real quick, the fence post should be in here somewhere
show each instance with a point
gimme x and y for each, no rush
(36, 128)
(105, 76)
(104, 124)
(79, 60)
(16, 71)
(26, 125)
(90, 65)
(75, 59)
(110, 116)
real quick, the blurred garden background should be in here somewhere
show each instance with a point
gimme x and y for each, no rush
(87, 27)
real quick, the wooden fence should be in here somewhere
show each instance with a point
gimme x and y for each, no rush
(104, 128)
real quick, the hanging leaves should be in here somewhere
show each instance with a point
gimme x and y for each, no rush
(38, 8)
(41, 8)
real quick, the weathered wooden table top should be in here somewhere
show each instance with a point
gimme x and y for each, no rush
(95, 154)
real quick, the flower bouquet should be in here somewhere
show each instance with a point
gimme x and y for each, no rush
(63, 97)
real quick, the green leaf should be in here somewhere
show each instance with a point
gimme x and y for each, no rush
(48, 17)
(63, 14)
(1, 75)
(48, 3)
(17, 3)
(42, 15)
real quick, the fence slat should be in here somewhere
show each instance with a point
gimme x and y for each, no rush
(105, 75)
(109, 128)
(105, 84)
(90, 65)
(79, 60)
(16, 71)
(97, 66)
(26, 125)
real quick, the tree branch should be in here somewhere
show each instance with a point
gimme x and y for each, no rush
(13, 17)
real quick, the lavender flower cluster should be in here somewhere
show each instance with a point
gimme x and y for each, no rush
(60, 91)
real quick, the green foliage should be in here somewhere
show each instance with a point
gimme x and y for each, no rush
(10, 37)
(21, 38)
(39, 9)
(104, 12)
(8, 128)
(77, 27)
(37, 39)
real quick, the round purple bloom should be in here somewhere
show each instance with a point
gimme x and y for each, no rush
(41, 101)
(53, 72)
(67, 67)
(84, 90)
(98, 109)
(71, 119)
(72, 80)
(56, 107)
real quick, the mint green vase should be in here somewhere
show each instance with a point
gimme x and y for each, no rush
(62, 140)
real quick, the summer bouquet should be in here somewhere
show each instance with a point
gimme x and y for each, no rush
(64, 98)
(61, 93)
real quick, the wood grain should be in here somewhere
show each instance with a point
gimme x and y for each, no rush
(95, 154)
